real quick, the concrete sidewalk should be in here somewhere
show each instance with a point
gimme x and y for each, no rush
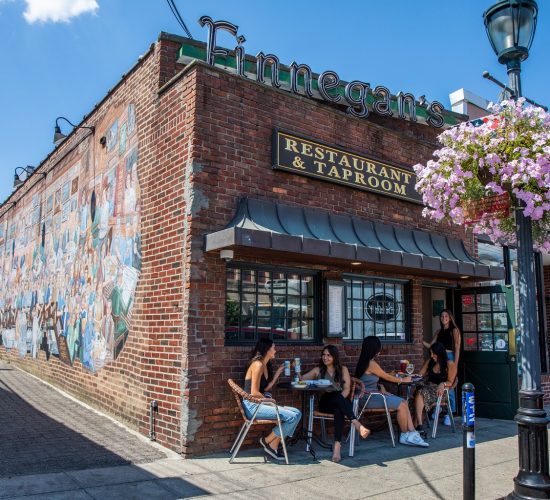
(148, 471)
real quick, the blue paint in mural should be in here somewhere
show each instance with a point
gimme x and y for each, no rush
(70, 260)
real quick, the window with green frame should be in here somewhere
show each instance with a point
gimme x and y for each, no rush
(377, 307)
(274, 302)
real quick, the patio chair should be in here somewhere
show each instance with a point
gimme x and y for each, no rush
(377, 411)
(240, 394)
(443, 401)
(357, 390)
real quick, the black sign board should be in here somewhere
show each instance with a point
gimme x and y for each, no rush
(314, 159)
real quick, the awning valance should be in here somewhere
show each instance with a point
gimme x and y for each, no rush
(267, 225)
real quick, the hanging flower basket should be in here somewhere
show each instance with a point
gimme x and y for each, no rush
(482, 171)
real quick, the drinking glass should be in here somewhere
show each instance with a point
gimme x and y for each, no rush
(410, 368)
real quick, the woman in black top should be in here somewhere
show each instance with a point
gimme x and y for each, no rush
(449, 335)
(258, 380)
(336, 401)
(441, 374)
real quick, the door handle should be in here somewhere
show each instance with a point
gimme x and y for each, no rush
(512, 359)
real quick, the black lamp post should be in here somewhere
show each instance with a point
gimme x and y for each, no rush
(58, 136)
(510, 26)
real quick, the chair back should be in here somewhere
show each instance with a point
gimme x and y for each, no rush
(357, 389)
(239, 393)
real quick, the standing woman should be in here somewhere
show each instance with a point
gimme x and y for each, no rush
(449, 335)
(336, 401)
(370, 372)
(441, 374)
(258, 380)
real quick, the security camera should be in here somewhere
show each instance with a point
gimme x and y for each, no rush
(226, 255)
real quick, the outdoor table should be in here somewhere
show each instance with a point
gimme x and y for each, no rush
(405, 390)
(308, 392)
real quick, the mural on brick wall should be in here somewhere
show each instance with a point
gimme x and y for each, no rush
(70, 256)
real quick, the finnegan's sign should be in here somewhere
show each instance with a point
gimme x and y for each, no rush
(359, 97)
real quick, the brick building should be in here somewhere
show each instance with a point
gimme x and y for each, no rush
(114, 285)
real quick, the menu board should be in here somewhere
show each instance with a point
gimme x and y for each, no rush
(335, 318)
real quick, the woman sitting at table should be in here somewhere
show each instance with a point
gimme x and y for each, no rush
(441, 373)
(258, 380)
(336, 401)
(370, 372)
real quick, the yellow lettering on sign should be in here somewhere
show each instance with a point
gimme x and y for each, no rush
(371, 168)
(346, 173)
(373, 181)
(344, 161)
(407, 178)
(360, 179)
(291, 145)
(386, 185)
(355, 165)
(320, 166)
(383, 172)
(399, 189)
(331, 155)
(319, 153)
(395, 174)
(333, 172)
(306, 149)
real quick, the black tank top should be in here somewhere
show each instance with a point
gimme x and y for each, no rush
(436, 378)
(446, 338)
(263, 384)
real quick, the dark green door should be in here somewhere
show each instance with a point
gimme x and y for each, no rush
(486, 319)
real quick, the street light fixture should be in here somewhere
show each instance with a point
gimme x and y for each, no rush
(510, 26)
(59, 137)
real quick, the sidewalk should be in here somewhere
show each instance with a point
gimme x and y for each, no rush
(51, 447)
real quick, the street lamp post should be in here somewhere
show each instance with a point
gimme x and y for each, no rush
(510, 26)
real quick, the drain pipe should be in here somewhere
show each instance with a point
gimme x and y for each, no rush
(153, 407)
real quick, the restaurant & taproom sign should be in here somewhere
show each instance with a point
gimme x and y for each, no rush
(314, 159)
(358, 97)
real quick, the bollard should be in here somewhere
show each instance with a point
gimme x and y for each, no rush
(468, 442)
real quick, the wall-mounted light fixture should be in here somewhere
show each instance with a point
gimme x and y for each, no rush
(226, 255)
(58, 136)
(19, 178)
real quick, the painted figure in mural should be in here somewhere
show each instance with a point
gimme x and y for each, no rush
(67, 271)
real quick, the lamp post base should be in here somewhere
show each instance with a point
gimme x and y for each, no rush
(532, 480)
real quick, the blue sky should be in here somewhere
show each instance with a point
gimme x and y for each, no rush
(59, 57)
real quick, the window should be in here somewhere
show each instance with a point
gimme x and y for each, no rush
(279, 303)
(376, 307)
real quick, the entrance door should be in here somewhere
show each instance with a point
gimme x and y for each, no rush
(486, 318)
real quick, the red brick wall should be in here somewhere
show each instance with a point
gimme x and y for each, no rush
(233, 126)
(149, 366)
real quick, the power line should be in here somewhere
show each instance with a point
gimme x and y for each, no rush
(178, 17)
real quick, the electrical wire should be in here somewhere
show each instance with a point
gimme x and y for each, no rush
(178, 17)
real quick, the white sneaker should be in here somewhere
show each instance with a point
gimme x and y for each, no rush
(404, 437)
(447, 421)
(414, 439)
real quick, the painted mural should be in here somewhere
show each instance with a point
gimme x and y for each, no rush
(70, 257)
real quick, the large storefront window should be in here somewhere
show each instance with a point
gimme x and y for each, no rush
(375, 307)
(277, 303)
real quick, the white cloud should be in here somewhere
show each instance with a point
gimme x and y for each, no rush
(57, 10)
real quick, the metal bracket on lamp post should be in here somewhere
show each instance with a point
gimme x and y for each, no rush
(491, 78)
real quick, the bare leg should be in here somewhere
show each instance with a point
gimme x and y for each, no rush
(273, 440)
(418, 408)
(404, 418)
(336, 456)
(361, 429)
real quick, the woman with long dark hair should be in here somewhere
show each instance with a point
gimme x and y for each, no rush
(336, 401)
(370, 372)
(441, 374)
(448, 334)
(259, 379)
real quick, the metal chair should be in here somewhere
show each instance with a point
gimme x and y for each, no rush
(240, 394)
(445, 403)
(357, 390)
(386, 410)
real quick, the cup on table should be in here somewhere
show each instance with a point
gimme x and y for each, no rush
(403, 365)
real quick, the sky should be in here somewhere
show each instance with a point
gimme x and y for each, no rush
(60, 57)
